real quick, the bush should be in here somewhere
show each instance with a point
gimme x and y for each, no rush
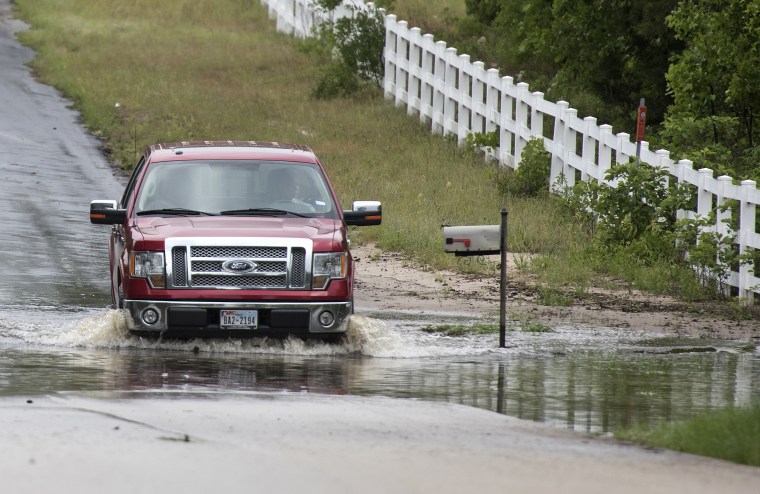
(531, 177)
(355, 43)
(337, 80)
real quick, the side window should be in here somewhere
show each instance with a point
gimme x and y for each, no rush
(129, 190)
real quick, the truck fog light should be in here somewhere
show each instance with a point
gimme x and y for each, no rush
(326, 318)
(150, 316)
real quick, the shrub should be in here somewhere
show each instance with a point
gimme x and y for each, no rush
(531, 177)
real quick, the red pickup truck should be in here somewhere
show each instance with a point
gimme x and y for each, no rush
(233, 238)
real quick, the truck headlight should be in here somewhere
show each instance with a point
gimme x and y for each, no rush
(328, 266)
(148, 265)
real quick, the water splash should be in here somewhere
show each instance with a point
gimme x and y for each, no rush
(366, 336)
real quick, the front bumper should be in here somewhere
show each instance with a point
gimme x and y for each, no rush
(274, 317)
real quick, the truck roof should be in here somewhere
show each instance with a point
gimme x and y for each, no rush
(170, 151)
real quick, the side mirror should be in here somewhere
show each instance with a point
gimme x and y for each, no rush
(364, 213)
(105, 213)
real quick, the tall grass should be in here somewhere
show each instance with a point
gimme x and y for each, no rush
(189, 69)
(732, 434)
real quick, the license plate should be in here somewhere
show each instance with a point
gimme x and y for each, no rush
(238, 319)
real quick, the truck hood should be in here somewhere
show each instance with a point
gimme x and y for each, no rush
(320, 230)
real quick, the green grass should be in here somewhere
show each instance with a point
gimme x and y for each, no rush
(526, 326)
(732, 434)
(462, 329)
(182, 69)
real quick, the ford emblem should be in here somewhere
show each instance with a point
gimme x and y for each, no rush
(239, 266)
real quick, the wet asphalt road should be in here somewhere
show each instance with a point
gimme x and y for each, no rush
(193, 440)
(50, 169)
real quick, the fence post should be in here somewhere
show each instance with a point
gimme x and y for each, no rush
(414, 91)
(506, 136)
(389, 54)
(570, 145)
(605, 151)
(746, 229)
(439, 87)
(478, 98)
(704, 196)
(427, 81)
(401, 93)
(723, 217)
(521, 120)
(588, 151)
(493, 108)
(536, 117)
(557, 166)
(464, 99)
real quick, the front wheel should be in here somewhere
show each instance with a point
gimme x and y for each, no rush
(117, 296)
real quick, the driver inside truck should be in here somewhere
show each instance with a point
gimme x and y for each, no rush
(286, 187)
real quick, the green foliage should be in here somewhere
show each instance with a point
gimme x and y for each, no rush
(461, 329)
(601, 55)
(554, 297)
(484, 10)
(360, 41)
(531, 178)
(535, 327)
(337, 80)
(714, 79)
(356, 43)
(477, 140)
(731, 434)
(633, 217)
(637, 199)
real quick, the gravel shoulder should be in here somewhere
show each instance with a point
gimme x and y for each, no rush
(387, 281)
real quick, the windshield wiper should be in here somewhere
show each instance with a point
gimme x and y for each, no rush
(261, 212)
(175, 211)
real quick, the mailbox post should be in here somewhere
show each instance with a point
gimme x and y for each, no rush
(483, 240)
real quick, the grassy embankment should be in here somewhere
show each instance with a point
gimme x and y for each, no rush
(183, 70)
(731, 434)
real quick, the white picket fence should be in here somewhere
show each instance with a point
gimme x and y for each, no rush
(456, 96)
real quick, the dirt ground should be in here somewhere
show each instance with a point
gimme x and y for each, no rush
(388, 281)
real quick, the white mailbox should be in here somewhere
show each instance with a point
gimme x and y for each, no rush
(479, 240)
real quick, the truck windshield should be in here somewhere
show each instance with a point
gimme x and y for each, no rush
(235, 187)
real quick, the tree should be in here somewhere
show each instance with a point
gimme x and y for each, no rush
(601, 55)
(714, 79)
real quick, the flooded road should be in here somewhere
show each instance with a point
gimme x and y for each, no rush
(584, 379)
(86, 407)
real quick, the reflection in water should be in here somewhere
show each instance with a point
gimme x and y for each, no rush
(584, 379)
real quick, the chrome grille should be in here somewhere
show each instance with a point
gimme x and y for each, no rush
(298, 268)
(281, 266)
(180, 266)
(234, 252)
(261, 266)
(209, 281)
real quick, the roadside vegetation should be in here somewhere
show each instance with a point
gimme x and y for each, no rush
(144, 72)
(730, 434)
(526, 326)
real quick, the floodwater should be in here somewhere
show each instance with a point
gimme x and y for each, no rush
(585, 379)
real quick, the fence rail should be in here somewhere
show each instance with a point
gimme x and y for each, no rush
(455, 96)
